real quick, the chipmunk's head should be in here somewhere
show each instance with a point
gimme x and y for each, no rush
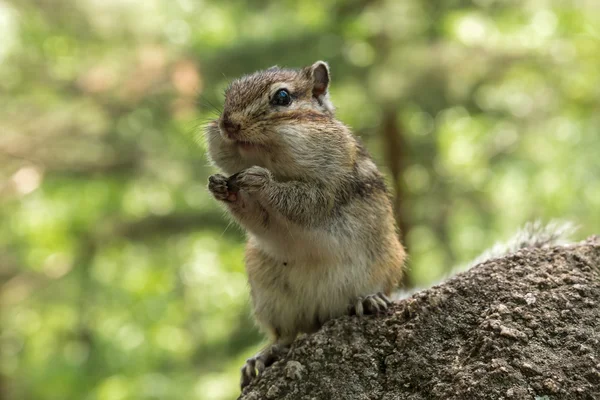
(277, 118)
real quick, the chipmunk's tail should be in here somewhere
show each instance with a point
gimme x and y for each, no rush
(532, 235)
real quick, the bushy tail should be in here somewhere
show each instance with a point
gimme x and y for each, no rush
(532, 235)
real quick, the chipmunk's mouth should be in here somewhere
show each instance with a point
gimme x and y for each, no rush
(246, 145)
(250, 147)
(241, 143)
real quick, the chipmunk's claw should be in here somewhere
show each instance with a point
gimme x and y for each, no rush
(248, 372)
(371, 304)
(217, 184)
(256, 365)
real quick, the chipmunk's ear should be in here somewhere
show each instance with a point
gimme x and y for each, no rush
(318, 73)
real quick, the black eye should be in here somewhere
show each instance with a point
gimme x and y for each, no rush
(282, 98)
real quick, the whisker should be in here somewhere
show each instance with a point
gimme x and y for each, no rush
(206, 103)
(227, 227)
(288, 229)
(197, 127)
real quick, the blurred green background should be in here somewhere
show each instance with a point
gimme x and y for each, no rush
(121, 278)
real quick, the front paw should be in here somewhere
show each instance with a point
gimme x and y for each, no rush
(253, 179)
(217, 184)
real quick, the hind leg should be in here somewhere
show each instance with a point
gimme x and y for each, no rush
(255, 365)
(371, 304)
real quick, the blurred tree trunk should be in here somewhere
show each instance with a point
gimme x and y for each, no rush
(395, 153)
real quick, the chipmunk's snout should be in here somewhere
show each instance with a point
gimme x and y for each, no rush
(229, 126)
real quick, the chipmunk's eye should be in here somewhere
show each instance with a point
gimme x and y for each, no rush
(282, 98)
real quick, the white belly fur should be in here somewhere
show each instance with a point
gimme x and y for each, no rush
(307, 277)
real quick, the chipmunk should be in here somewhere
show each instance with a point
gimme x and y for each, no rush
(322, 239)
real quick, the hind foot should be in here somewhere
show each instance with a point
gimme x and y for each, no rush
(255, 366)
(371, 304)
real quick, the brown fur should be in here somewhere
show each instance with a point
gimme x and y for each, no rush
(321, 231)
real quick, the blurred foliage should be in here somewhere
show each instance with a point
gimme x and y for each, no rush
(121, 278)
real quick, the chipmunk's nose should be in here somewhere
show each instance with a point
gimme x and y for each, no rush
(229, 126)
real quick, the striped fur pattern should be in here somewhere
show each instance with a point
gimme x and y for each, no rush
(319, 221)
